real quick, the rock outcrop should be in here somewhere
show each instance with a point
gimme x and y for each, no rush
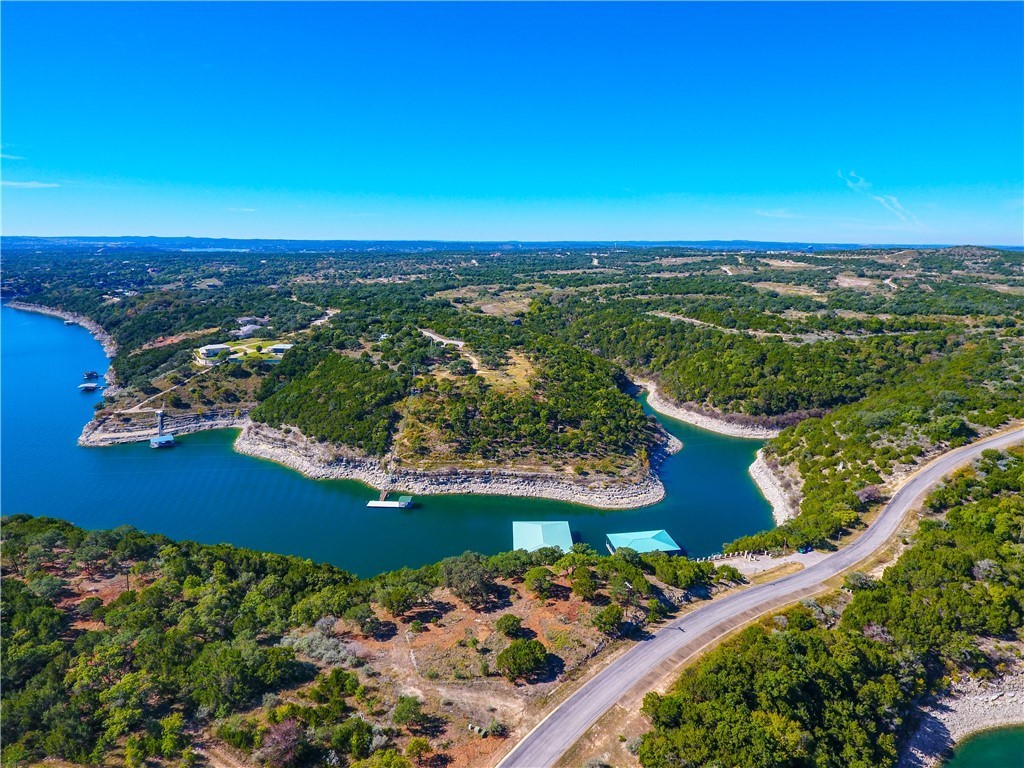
(321, 461)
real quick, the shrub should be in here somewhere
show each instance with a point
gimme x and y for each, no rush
(509, 625)
(408, 711)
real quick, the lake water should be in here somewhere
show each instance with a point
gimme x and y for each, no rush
(1001, 748)
(203, 490)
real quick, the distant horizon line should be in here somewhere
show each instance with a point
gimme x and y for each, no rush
(625, 241)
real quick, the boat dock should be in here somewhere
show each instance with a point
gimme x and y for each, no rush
(162, 439)
(402, 502)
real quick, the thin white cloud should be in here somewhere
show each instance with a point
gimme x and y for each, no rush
(242, 210)
(854, 182)
(28, 184)
(5, 156)
(890, 202)
(778, 213)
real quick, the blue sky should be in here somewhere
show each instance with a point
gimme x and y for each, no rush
(863, 122)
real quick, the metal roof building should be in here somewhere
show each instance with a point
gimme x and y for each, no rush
(533, 535)
(212, 350)
(643, 541)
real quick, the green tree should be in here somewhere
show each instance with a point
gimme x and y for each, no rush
(399, 600)
(383, 758)
(418, 748)
(172, 738)
(509, 625)
(363, 616)
(469, 578)
(583, 584)
(408, 711)
(655, 610)
(538, 581)
(609, 619)
(521, 659)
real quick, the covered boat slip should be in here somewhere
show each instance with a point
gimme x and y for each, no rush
(162, 441)
(642, 541)
(533, 535)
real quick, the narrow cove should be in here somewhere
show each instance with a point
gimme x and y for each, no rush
(204, 490)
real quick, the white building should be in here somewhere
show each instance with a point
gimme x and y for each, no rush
(212, 350)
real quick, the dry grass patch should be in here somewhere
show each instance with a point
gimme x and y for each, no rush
(608, 740)
(164, 341)
(790, 264)
(791, 290)
(859, 283)
(775, 573)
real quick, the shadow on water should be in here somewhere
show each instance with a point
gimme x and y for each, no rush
(203, 490)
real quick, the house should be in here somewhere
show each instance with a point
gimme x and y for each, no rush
(279, 349)
(245, 332)
(212, 350)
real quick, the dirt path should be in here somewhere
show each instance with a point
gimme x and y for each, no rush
(138, 407)
(452, 343)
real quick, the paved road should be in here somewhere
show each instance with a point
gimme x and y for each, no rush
(640, 668)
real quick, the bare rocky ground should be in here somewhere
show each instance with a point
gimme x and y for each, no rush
(971, 705)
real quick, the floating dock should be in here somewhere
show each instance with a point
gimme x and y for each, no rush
(402, 502)
(91, 387)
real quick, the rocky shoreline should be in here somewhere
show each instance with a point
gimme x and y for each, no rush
(972, 706)
(768, 482)
(320, 461)
(104, 432)
(98, 332)
(703, 420)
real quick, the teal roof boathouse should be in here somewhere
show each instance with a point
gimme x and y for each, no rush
(531, 535)
(643, 541)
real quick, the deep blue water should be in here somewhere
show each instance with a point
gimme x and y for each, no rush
(203, 490)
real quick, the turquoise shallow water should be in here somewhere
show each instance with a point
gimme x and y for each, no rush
(203, 490)
(1001, 748)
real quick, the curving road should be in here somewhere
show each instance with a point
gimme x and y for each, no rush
(639, 669)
